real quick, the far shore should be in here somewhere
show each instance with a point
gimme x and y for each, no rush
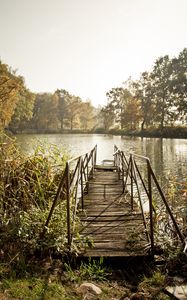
(166, 132)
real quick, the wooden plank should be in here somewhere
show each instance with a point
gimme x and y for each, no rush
(104, 212)
(104, 167)
(108, 220)
(116, 246)
(110, 253)
(110, 229)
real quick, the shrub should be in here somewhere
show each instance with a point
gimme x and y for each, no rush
(28, 185)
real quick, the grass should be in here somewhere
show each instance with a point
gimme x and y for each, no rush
(53, 280)
(94, 270)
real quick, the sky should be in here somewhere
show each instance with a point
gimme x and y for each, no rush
(88, 47)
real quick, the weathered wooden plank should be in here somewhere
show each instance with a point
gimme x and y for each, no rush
(111, 219)
(108, 220)
(114, 253)
(98, 208)
(127, 234)
(112, 230)
(119, 245)
(105, 167)
(110, 214)
(113, 223)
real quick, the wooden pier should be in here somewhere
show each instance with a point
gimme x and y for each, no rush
(109, 201)
(108, 220)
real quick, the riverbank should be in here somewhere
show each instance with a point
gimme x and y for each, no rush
(55, 279)
(166, 132)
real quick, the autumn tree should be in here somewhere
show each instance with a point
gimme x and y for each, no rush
(45, 112)
(178, 86)
(145, 94)
(86, 116)
(23, 111)
(161, 77)
(131, 115)
(10, 88)
(124, 106)
(63, 100)
(107, 116)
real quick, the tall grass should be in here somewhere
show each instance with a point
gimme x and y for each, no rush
(28, 185)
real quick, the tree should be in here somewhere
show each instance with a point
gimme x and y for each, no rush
(179, 83)
(161, 78)
(107, 116)
(23, 111)
(63, 100)
(86, 115)
(132, 114)
(45, 112)
(10, 87)
(118, 98)
(144, 92)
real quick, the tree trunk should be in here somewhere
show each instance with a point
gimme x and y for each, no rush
(162, 115)
(71, 124)
(142, 125)
(62, 124)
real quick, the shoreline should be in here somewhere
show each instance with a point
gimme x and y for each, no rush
(168, 132)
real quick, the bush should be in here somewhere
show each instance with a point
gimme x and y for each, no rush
(28, 186)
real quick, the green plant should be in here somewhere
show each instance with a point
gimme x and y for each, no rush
(28, 186)
(93, 270)
(156, 280)
(33, 288)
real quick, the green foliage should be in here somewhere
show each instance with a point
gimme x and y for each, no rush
(28, 186)
(21, 234)
(23, 111)
(93, 270)
(15, 99)
(177, 265)
(33, 288)
(157, 99)
(29, 181)
(156, 280)
(165, 232)
(153, 286)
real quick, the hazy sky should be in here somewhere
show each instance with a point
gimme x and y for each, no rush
(88, 46)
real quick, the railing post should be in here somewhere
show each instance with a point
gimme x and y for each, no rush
(131, 174)
(82, 190)
(127, 173)
(95, 155)
(120, 165)
(60, 187)
(115, 160)
(150, 207)
(92, 164)
(114, 155)
(104, 191)
(68, 205)
(87, 171)
(123, 171)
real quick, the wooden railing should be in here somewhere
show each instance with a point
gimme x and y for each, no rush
(72, 186)
(129, 168)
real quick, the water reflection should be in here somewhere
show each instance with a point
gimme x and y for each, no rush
(168, 156)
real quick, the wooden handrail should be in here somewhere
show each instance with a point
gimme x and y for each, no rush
(131, 168)
(72, 182)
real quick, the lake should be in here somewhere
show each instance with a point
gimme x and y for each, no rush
(168, 156)
(168, 159)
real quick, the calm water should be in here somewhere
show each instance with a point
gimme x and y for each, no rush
(168, 156)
